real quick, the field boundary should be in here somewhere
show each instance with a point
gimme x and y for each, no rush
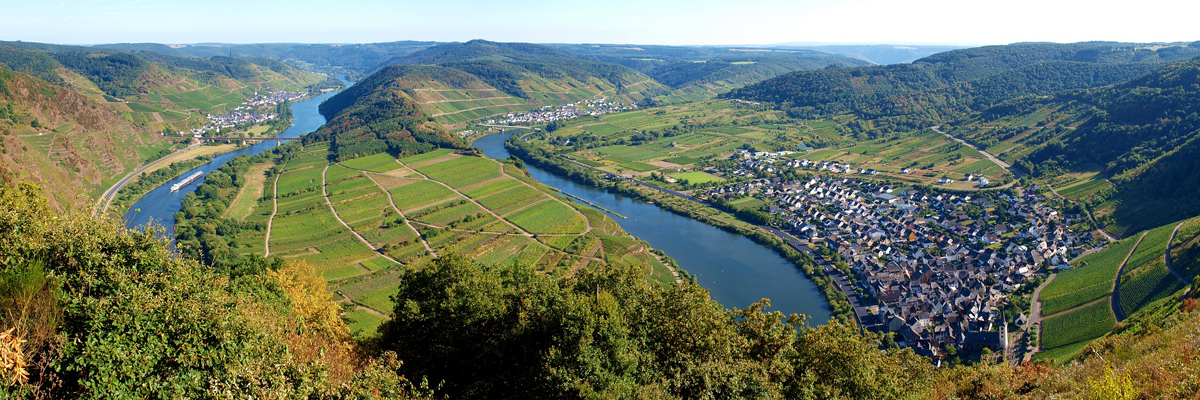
(1115, 297)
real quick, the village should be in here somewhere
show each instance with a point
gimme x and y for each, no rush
(254, 110)
(547, 114)
(933, 268)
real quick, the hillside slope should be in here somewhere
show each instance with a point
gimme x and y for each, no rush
(696, 73)
(939, 87)
(538, 73)
(160, 92)
(377, 115)
(62, 139)
(1137, 139)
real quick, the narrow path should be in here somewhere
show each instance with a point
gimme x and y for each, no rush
(361, 306)
(325, 193)
(1001, 163)
(406, 221)
(1170, 265)
(489, 211)
(1035, 318)
(1118, 311)
(274, 209)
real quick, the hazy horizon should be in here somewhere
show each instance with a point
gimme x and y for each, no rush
(697, 23)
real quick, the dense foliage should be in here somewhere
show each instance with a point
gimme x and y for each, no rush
(510, 332)
(107, 312)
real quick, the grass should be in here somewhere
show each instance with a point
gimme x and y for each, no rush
(243, 205)
(681, 160)
(381, 162)
(1084, 189)
(697, 177)
(549, 217)
(629, 153)
(364, 323)
(1150, 284)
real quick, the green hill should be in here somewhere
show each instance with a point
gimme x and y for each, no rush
(696, 73)
(950, 84)
(158, 91)
(353, 60)
(377, 115)
(539, 73)
(1136, 142)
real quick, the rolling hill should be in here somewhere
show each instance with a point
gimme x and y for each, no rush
(379, 115)
(1139, 135)
(82, 118)
(159, 91)
(696, 73)
(960, 82)
(538, 73)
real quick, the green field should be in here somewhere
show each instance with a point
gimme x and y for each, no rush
(381, 162)
(1079, 326)
(1091, 278)
(697, 177)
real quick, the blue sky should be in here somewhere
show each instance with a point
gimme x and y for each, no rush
(609, 21)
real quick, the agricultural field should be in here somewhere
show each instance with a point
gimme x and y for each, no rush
(352, 219)
(1081, 325)
(1091, 278)
(687, 138)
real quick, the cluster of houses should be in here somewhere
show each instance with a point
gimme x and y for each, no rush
(773, 162)
(548, 114)
(932, 267)
(253, 110)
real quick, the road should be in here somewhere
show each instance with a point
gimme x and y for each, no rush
(109, 195)
(1119, 311)
(1171, 266)
(998, 161)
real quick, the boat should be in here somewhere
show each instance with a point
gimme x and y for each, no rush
(186, 181)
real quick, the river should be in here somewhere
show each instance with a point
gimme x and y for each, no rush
(160, 205)
(735, 270)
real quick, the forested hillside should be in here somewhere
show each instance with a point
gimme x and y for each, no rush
(377, 115)
(947, 85)
(352, 60)
(537, 72)
(701, 72)
(1140, 135)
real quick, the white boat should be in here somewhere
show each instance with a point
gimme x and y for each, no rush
(191, 178)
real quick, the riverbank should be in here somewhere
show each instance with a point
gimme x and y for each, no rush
(129, 191)
(838, 302)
